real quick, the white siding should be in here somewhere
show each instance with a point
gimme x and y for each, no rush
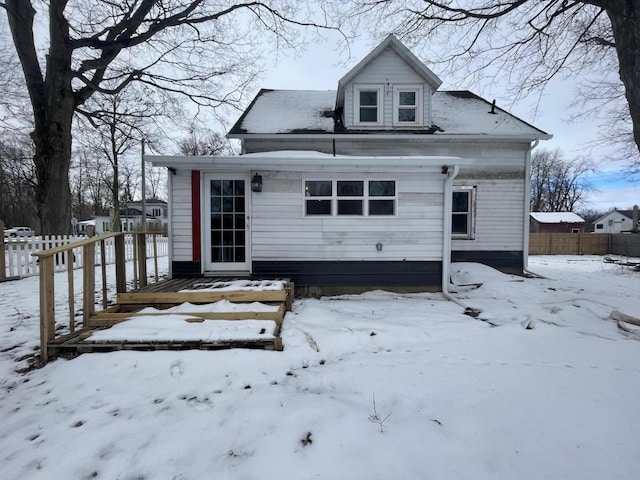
(499, 215)
(181, 225)
(281, 232)
(387, 69)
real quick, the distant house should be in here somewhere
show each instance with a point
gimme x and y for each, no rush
(555, 222)
(157, 215)
(616, 221)
(381, 182)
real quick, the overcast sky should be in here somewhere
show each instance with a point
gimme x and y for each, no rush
(320, 68)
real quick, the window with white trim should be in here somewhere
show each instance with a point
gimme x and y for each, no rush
(407, 105)
(368, 105)
(463, 212)
(357, 198)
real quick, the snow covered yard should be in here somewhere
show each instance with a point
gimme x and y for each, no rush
(374, 386)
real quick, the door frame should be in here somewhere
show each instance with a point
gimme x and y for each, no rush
(205, 202)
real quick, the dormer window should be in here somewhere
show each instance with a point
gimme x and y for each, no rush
(368, 105)
(407, 105)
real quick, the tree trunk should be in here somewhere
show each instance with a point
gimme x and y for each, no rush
(625, 20)
(53, 104)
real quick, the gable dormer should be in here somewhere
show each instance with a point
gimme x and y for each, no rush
(390, 89)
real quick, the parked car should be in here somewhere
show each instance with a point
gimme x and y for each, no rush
(18, 232)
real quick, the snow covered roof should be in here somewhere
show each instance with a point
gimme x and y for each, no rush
(288, 111)
(557, 217)
(311, 111)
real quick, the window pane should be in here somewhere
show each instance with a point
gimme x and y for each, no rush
(460, 202)
(381, 207)
(459, 224)
(317, 188)
(227, 187)
(368, 114)
(227, 221)
(239, 201)
(239, 238)
(238, 188)
(216, 254)
(216, 204)
(227, 204)
(227, 254)
(406, 114)
(216, 187)
(407, 98)
(216, 238)
(318, 207)
(239, 222)
(216, 221)
(227, 238)
(349, 207)
(382, 188)
(350, 189)
(239, 251)
(369, 98)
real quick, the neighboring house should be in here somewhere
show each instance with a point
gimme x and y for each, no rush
(157, 216)
(380, 183)
(100, 224)
(556, 222)
(616, 221)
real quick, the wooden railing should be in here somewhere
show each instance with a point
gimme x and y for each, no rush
(87, 248)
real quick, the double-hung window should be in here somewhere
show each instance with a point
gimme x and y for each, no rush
(368, 105)
(462, 212)
(356, 198)
(407, 105)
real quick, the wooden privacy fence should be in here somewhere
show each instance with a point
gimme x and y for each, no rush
(16, 259)
(569, 243)
(90, 249)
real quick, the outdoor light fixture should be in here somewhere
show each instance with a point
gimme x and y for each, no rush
(256, 183)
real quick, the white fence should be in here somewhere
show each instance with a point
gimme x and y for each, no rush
(20, 263)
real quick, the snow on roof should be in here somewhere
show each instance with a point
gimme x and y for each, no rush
(286, 111)
(463, 112)
(557, 217)
(310, 111)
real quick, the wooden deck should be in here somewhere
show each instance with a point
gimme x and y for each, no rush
(164, 295)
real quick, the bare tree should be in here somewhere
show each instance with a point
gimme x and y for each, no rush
(558, 184)
(16, 182)
(191, 48)
(203, 141)
(527, 42)
(120, 122)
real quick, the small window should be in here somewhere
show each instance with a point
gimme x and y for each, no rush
(407, 105)
(599, 226)
(350, 197)
(368, 105)
(382, 197)
(462, 213)
(575, 230)
(318, 197)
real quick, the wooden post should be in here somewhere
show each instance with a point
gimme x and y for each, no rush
(89, 282)
(47, 306)
(155, 255)
(3, 266)
(142, 258)
(103, 271)
(121, 272)
(72, 310)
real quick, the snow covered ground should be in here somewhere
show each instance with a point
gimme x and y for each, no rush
(374, 386)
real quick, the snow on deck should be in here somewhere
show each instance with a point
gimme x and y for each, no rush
(176, 328)
(222, 306)
(237, 286)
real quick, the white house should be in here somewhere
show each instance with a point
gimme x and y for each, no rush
(382, 182)
(616, 221)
